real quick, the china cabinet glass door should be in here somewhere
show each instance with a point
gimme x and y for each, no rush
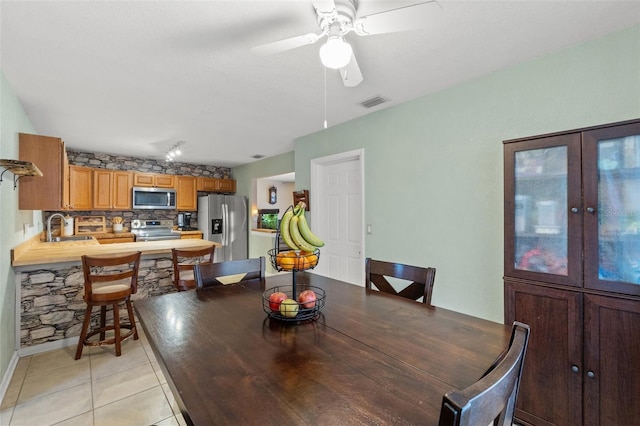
(612, 209)
(543, 184)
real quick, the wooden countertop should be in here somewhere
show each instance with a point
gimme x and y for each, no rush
(36, 252)
(266, 231)
(194, 232)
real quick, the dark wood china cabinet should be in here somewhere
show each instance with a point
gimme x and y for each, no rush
(572, 272)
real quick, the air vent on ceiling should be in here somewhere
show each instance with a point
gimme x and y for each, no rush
(374, 101)
(257, 156)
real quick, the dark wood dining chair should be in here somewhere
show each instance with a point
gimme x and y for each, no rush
(108, 280)
(492, 399)
(229, 272)
(183, 261)
(421, 279)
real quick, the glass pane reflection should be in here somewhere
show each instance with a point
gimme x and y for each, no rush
(619, 209)
(540, 210)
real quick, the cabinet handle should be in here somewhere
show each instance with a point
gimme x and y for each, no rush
(591, 374)
(591, 210)
(575, 368)
(574, 210)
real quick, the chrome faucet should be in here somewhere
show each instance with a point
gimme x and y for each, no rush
(49, 238)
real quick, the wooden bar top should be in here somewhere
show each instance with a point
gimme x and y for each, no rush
(36, 252)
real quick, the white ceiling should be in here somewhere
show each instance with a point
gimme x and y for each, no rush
(135, 77)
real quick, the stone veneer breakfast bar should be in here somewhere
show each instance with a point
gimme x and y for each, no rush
(49, 283)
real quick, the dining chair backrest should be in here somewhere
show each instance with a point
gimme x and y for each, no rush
(492, 399)
(183, 261)
(420, 279)
(229, 272)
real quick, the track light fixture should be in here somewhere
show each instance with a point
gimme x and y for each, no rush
(174, 151)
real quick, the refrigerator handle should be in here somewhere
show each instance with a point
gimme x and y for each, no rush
(225, 228)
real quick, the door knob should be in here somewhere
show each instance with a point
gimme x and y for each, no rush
(591, 374)
(591, 210)
(575, 368)
(574, 210)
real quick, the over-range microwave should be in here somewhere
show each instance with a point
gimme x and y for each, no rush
(153, 198)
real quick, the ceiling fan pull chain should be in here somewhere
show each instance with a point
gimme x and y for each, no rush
(325, 96)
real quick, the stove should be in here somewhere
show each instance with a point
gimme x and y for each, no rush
(153, 230)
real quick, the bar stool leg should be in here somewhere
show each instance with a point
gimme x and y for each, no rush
(116, 328)
(132, 319)
(85, 330)
(103, 320)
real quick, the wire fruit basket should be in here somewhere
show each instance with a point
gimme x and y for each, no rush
(305, 310)
(293, 260)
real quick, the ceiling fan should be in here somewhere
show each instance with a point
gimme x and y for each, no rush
(337, 18)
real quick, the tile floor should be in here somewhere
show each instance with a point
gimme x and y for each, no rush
(99, 389)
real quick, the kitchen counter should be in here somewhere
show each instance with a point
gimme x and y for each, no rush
(50, 283)
(110, 234)
(266, 231)
(36, 252)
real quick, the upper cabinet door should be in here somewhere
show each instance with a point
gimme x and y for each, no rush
(612, 208)
(543, 221)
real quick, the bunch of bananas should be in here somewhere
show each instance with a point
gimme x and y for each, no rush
(295, 230)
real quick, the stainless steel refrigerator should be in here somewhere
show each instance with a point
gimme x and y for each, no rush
(224, 219)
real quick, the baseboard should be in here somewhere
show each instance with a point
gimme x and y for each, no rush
(48, 346)
(6, 379)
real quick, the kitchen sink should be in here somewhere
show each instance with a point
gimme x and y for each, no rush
(72, 238)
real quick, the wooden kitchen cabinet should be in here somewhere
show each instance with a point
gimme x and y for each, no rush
(226, 185)
(206, 184)
(191, 236)
(51, 191)
(112, 189)
(80, 188)
(572, 244)
(153, 180)
(187, 195)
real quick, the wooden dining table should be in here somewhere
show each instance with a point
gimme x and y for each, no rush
(369, 358)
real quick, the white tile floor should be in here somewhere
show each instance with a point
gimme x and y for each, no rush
(99, 389)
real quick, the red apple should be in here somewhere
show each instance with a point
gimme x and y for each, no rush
(307, 299)
(275, 299)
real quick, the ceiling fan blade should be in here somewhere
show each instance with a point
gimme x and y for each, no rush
(402, 19)
(324, 7)
(286, 44)
(351, 74)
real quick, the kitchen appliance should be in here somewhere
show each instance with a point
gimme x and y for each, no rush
(268, 218)
(184, 222)
(224, 219)
(153, 198)
(153, 230)
(68, 229)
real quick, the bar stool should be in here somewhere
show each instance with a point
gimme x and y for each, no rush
(183, 262)
(109, 280)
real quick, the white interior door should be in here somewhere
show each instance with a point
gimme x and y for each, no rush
(337, 201)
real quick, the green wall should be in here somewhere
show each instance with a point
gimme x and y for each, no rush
(245, 177)
(12, 221)
(433, 166)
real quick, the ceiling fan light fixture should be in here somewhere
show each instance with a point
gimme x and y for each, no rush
(335, 53)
